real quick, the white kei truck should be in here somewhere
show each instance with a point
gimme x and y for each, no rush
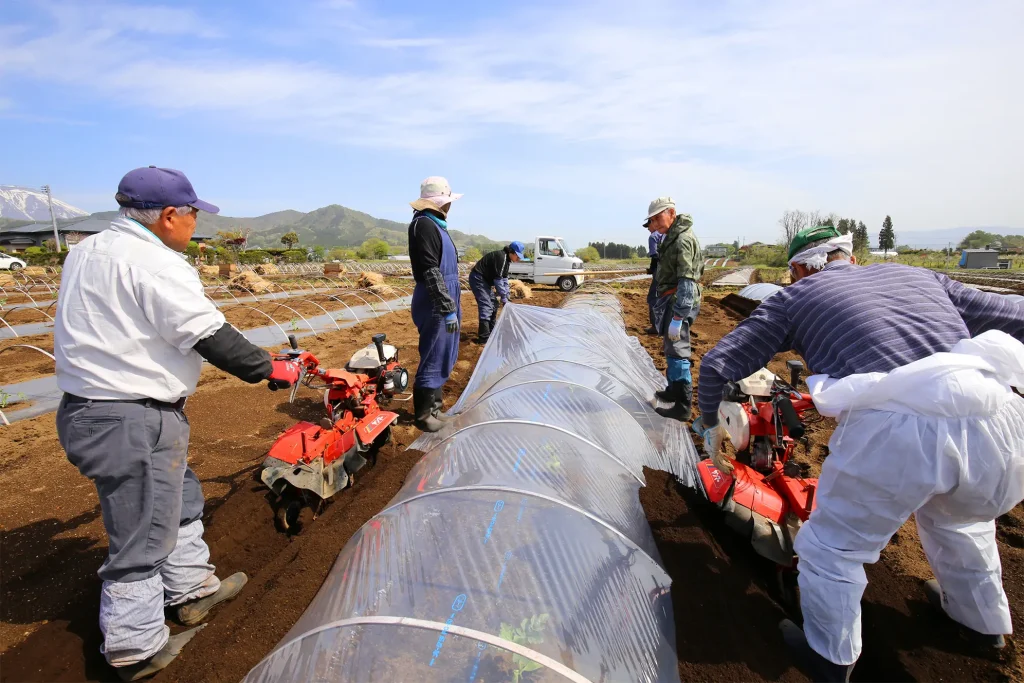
(553, 263)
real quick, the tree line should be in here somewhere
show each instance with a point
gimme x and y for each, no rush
(793, 222)
(618, 251)
(979, 239)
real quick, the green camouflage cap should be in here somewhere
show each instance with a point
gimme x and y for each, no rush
(808, 236)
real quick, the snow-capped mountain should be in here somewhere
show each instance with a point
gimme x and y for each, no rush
(24, 204)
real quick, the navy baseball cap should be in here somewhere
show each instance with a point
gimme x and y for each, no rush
(155, 188)
(517, 247)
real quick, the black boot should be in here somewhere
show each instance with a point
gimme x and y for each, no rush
(814, 665)
(485, 332)
(934, 594)
(669, 394)
(683, 395)
(653, 329)
(423, 407)
(438, 411)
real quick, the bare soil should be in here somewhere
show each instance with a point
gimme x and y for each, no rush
(53, 539)
(725, 606)
(26, 312)
(20, 364)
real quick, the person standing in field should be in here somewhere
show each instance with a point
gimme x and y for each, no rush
(680, 266)
(654, 240)
(436, 304)
(131, 331)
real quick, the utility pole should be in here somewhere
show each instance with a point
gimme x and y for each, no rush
(53, 219)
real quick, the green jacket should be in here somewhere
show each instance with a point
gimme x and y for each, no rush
(679, 255)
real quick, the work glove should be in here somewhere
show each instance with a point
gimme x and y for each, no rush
(451, 322)
(654, 266)
(675, 328)
(714, 438)
(283, 374)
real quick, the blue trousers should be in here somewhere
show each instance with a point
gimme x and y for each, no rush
(677, 353)
(486, 301)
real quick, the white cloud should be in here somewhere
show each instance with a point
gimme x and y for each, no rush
(908, 104)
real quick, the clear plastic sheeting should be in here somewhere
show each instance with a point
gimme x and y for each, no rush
(759, 291)
(517, 549)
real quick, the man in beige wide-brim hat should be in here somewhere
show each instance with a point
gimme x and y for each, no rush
(436, 306)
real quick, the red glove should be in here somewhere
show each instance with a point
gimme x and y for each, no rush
(284, 374)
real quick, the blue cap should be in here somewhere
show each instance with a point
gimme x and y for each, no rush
(517, 248)
(155, 188)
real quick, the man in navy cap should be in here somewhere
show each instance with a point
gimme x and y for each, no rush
(131, 331)
(490, 275)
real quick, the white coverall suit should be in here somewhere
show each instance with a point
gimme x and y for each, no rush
(942, 438)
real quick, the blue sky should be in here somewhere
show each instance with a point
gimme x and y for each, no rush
(550, 117)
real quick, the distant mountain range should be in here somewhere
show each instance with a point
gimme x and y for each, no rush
(25, 204)
(330, 226)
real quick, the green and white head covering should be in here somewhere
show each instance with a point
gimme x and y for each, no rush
(811, 246)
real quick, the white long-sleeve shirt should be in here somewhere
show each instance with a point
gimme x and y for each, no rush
(128, 314)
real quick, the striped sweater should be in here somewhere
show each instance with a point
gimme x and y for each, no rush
(849, 319)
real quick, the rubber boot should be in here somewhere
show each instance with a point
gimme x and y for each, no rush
(423, 408)
(485, 332)
(934, 594)
(814, 665)
(669, 394)
(652, 330)
(438, 411)
(683, 391)
(194, 611)
(160, 660)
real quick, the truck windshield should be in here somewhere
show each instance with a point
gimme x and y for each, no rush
(564, 246)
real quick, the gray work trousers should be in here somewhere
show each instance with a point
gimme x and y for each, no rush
(652, 298)
(152, 505)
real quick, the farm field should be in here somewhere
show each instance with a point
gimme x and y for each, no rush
(724, 600)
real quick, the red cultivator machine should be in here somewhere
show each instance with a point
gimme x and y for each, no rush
(768, 495)
(309, 462)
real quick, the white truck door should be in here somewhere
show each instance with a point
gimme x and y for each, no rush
(549, 258)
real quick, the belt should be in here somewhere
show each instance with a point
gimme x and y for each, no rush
(148, 402)
(669, 292)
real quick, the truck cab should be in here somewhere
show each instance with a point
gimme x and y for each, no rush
(552, 263)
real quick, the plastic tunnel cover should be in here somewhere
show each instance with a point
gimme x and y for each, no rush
(378, 653)
(582, 375)
(517, 548)
(579, 410)
(670, 437)
(589, 600)
(575, 355)
(538, 459)
(523, 332)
